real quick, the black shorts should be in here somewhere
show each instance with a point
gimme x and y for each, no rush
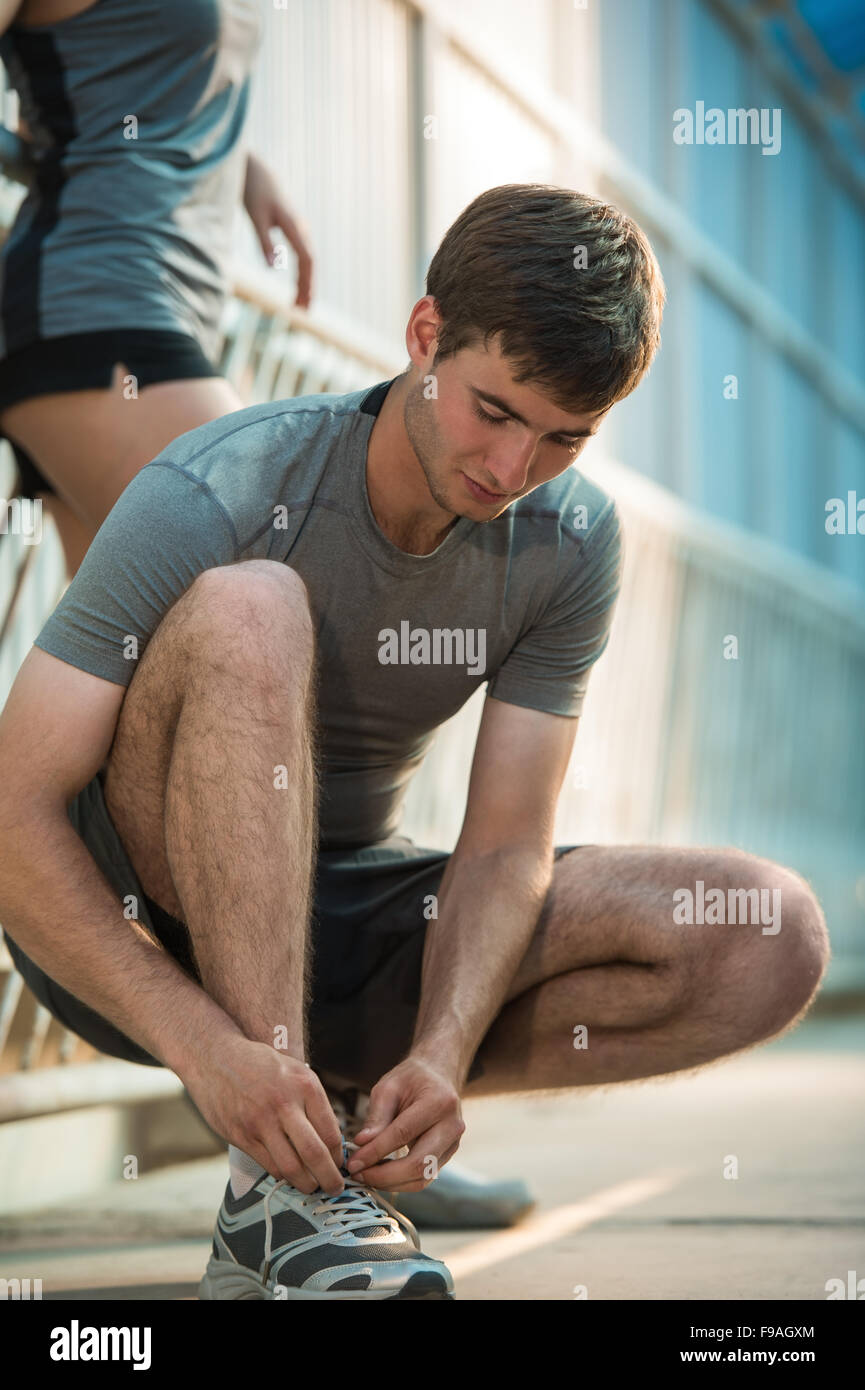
(86, 361)
(371, 909)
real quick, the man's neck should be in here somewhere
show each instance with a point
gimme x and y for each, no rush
(396, 484)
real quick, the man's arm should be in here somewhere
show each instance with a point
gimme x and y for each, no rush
(495, 883)
(55, 733)
(491, 895)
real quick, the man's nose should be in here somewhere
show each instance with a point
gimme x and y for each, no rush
(511, 467)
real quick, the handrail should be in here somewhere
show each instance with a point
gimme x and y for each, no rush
(248, 287)
(722, 541)
(24, 1095)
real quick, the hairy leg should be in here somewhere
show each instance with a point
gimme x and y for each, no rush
(90, 444)
(654, 997)
(212, 784)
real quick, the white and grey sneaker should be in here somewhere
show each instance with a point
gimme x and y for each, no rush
(280, 1243)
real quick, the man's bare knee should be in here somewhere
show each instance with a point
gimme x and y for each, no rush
(805, 949)
(763, 968)
(248, 622)
(252, 620)
(251, 585)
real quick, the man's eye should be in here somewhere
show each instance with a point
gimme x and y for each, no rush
(565, 443)
(490, 419)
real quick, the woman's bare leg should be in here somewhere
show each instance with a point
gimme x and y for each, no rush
(90, 444)
(75, 536)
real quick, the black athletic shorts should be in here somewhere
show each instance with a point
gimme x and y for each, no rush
(371, 909)
(86, 361)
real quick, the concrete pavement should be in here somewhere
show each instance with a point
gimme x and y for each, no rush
(633, 1198)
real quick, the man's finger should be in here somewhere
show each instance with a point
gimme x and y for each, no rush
(312, 1152)
(422, 1157)
(408, 1128)
(384, 1106)
(285, 1162)
(402, 1130)
(420, 1183)
(448, 1155)
(262, 1155)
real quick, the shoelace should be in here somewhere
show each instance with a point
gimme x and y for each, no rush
(349, 1210)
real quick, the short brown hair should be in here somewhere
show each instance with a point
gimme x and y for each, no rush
(507, 268)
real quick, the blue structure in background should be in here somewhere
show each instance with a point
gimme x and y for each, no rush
(756, 407)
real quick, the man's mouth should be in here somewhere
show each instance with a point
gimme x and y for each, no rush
(483, 494)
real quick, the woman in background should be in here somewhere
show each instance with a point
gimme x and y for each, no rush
(115, 271)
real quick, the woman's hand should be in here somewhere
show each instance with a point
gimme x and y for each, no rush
(267, 210)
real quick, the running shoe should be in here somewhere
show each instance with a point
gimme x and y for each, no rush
(280, 1243)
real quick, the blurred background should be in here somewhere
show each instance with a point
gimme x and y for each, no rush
(385, 118)
(728, 707)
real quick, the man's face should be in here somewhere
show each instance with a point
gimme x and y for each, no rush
(483, 440)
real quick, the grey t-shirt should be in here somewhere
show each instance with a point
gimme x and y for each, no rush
(523, 602)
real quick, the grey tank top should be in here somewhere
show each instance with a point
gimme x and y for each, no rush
(136, 110)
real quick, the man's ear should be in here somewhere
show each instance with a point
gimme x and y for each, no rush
(425, 325)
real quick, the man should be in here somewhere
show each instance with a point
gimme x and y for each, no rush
(231, 698)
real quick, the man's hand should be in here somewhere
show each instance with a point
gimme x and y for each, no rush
(273, 1107)
(413, 1105)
